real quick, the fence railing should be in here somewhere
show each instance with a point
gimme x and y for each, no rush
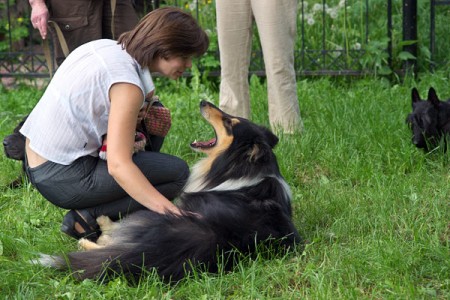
(433, 50)
(335, 37)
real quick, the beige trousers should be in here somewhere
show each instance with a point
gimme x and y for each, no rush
(276, 21)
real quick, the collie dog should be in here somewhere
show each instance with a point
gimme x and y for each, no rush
(234, 203)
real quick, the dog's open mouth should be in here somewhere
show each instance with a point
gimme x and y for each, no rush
(204, 144)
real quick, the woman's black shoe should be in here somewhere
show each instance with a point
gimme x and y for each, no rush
(90, 226)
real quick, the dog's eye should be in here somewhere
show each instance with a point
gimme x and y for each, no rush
(409, 123)
(418, 121)
(227, 122)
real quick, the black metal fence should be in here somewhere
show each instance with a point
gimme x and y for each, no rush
(435, 56)
(335, 37)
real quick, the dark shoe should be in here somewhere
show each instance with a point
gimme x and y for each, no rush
(90, 226)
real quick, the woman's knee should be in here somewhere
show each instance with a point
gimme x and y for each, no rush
(162, 168)
(182, 171)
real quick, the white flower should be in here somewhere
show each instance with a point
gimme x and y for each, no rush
(310, 21)
(335, 54)
(342, 3)
(317, 7)
(357, 46)
(333, 13)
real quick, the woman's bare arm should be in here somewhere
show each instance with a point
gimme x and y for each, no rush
(126, 100)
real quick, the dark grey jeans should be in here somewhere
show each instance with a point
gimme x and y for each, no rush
(86, 183)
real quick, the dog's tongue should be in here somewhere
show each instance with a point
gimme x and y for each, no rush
(204, 144)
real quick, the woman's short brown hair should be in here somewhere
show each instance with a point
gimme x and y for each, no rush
(164, 33)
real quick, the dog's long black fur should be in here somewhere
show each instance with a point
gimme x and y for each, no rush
(429, 120)
(14, 143)
(235, 202)
(14, 147)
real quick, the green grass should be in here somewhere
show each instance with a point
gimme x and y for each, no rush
(374, 209)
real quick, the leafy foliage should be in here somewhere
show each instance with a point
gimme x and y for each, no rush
(333, 35)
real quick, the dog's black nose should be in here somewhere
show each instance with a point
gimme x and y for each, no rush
(203, 103)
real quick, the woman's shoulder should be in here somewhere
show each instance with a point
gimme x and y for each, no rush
(101, 59)
(110, 45)
(113, 53)
(101, 49)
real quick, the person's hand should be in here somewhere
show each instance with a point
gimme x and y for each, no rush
(39, 17)
(174, 210)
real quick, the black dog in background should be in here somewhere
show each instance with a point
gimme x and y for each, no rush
(14, 146)
(429, 120)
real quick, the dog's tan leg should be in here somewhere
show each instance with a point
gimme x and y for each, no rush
(86, 244)
(104, 240)
(106, 225)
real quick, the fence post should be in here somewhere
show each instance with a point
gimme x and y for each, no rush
(432, 33)
(410, 33)
(389, 31)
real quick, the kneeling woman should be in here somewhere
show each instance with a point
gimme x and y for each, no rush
(99, 90)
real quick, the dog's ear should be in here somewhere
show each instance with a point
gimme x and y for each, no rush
(270, 138)
(432, 97)
(415, 95)
(255, 153)
(258, 152)
(259, 149)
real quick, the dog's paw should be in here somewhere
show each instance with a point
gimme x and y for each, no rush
(86, 244)
(107, 226)
(104, 221)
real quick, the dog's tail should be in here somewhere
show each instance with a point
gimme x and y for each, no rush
(171, 246)
(91, 264)
(51, 261)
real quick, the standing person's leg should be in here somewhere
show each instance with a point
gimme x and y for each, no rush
(234, 30)
(277, 27)
(80, 22)
(125, 18)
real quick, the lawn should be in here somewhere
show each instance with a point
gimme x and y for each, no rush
(373, 208)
